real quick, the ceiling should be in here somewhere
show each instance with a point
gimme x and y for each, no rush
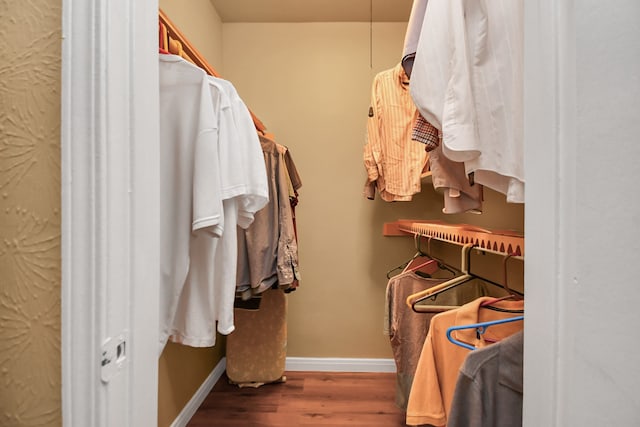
(313, 10)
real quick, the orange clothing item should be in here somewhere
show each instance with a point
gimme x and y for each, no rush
(440, 360)
(394, 162)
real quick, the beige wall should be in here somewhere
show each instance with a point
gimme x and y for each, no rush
(199, 21)
(182, 369)
(30, 364)
(310, 85)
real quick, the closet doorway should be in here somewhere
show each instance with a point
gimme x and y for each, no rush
(123, 36)
(110, 261)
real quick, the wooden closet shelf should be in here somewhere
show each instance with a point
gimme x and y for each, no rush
(498, 241)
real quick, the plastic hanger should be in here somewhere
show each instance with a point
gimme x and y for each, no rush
(163, 37)
(413, 299)
(426, 309)
(433, 292)
(480, 327)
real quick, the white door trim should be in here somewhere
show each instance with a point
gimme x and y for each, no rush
(110, 170)
(550, 149)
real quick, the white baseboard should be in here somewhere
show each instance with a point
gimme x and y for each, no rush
(338, 364)
(192, 406)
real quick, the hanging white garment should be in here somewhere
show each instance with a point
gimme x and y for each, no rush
(208, 301)
(247, 193)
(467, 80)
(190, 203)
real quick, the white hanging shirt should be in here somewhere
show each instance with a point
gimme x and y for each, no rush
(249, 193)
(190, 204)
(255, 185)
(243, 183)
(195, 320)
(467, 80)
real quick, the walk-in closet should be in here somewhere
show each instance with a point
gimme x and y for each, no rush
(389, 237)
(319, 212)
(310, 76)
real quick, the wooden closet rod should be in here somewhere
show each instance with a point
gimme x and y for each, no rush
(494, 241)
(195, 57)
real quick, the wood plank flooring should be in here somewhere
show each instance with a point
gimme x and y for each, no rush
(305, 399)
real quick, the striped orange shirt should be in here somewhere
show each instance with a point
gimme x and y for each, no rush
(393, 161)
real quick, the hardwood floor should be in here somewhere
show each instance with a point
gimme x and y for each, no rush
(305, 399)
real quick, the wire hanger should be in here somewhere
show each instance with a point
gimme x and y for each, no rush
(433, 263)
(480, 327)
(405, 264)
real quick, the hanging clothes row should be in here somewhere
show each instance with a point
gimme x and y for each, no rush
(215, 181)
(435, 315)
(393, 163)
(439, 366)
(407, 329)
(403, 148)
(463, 67)
(268, 248)
(213, 177)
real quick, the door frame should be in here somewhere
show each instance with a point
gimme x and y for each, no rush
(550, 202)
(110, 166)
(110, 244)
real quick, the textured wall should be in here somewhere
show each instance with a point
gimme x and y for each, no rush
(30, 213)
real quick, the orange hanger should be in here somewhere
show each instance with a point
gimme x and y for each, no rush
(163, 36)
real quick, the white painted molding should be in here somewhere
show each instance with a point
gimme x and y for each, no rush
(194, 403)
(549, 133)
(110, 165)
(337, 364)
(81, 387)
